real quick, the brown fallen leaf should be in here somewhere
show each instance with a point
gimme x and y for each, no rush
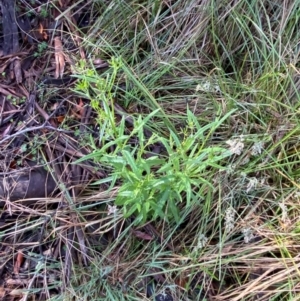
(78, 111)
(60, 118)
(59, 58)
(80, 107)
(7, 92)
(2, 292)
(42, 31)
(19, 261)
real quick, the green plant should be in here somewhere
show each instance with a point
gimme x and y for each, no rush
(42, 47)
(44, 12)
(154, 186)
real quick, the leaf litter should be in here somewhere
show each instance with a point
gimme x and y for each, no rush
(42, 132)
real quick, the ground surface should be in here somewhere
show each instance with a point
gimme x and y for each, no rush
(149, 150)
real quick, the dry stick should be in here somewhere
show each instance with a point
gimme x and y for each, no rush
(28, 108)
(11, 115)
(35, 128)
(45, 115)
(73, 153)
(2, 109)
(17, 119)
(9, 91)
(42, 112)
(71, 149)
(78, 154)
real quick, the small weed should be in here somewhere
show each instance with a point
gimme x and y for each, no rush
(44, 12)
(152, 187)
(42, 47)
